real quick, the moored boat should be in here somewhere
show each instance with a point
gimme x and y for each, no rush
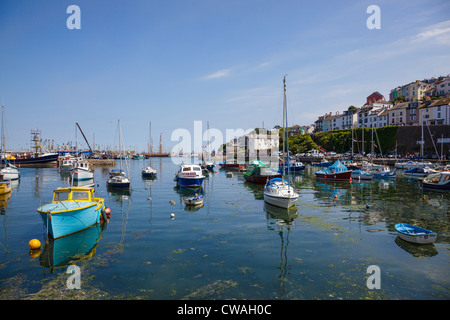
(419, 172)
(380, 171)
(415, 234)
(337, 171)
(361, 175)
(117, 177)
(323, 163)
(189, 175)
(68, 163)
(412, 164)
(196, 200)
(10, 172)
(72, 209)
(118, 181)
(81, 171)
(439, 181)
(280, 193)
(261, 173)
(296, 166)
(148, 172)
(5, 186)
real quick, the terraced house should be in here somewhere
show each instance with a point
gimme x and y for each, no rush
(435, 112)
(397, 114)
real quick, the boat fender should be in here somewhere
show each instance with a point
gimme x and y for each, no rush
(105, 213)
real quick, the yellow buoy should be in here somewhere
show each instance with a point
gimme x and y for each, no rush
(34, 244)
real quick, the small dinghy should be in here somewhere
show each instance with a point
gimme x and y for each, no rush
(415, 234)
(196, 200)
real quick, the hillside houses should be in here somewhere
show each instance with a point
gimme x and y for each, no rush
(419, 102)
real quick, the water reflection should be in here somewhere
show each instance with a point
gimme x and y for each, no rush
(68, 250)
(417, 250)
(280, 220)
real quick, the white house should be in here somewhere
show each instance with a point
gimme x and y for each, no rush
(435, 112)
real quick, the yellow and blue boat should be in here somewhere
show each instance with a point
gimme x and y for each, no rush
(73, 209)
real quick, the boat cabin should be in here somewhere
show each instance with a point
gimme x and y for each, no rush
(74, 194)
(190, 170)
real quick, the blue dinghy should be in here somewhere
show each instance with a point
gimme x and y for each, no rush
(415, 234)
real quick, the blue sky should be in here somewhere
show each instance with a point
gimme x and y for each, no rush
(218, 61)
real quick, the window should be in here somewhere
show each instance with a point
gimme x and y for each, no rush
(439, 115)
(61, 196)
(80, 195)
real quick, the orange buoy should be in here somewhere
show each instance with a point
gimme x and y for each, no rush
(34, 244)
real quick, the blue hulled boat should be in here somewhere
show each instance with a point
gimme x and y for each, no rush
(415, 234)
(73, 209)
(189, 175)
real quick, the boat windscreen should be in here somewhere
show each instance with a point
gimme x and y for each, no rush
(61, 196)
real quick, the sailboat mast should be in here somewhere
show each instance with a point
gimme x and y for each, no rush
(3, 130)
(3, 137)
(285, 136)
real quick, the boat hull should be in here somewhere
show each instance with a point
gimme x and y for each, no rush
(362, 176)
(82, 175)
(5, 187)
(190, 182)
(50, 160)
(415, 234)
(436, 186)
(10, 174)
(296, 168)
(334, 176)
(282, 202)
(118, 185)
(62, 223)
(149, 174)
(193, 201)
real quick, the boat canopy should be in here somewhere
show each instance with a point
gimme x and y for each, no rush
(73, 194)
(273, 181)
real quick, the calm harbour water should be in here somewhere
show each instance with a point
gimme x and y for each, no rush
(235, 246)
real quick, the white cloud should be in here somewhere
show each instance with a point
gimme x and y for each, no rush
(218, 74)
(439, 32)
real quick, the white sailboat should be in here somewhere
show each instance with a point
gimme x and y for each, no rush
(120, 181)
(278, 191)
(149, 172)
(9, 171)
